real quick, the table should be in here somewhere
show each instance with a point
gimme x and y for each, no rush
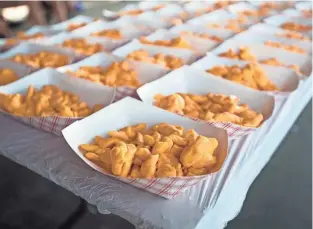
(212, 202)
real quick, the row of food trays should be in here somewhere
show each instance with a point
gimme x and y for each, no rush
(204, 76)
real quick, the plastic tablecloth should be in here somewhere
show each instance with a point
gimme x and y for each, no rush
(209, 204)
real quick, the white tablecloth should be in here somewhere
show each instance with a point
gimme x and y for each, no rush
(209, 204)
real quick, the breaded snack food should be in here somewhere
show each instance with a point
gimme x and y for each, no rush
(74, 26)
(118, 74)
(162, 150)
(275, 62)
(178, 42)
(203, 36)
(168, 61)
(291, 48)
(21, 36)
(210, 107)
(49, 100)
(109, 33)
(81, 46)
(7, 76)
(243, 53)
(251, 75)
(296, 27)
(42, 59)
(294, 35)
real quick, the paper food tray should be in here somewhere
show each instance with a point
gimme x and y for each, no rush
(130, 112)
(293, 13)
(218, 16)
(145, 22)
(278, 20)
(115, 14)
(170, 10)
(284, 78)
(262, 52)
(200, 46)
(251, 37)
(222, 33)
(241, 6)
(146, 72)
(88, 92)
(61, 37)
(270, 29)
(19, 69)
(191, 80)
(75, 20)
(123, 51)
(305, 5)
(197, 7)
(28, 48)
(128, 32)
(280, 5)
(3, 41)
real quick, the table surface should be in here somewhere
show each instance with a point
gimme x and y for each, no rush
(212, 202)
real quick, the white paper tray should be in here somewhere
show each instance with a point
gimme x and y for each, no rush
(28, 48)
(284, 78)
(278, 20)
(222, 33)
(241, 6)
(200, 46)
(128, 32)
(220, 16)
(130, 112)
(146, 72)
(191, 80)
(20, 69)
(262, 52)
(251, 37)
(195, 7)
(88, 92)
(75, 20)
(61, 37)
(146, 22)
(270, 29)
(305, 5)
(123, 51)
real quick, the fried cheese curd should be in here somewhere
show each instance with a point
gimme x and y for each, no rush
(230, 25)
(296, 27)
(243, 53)
(275, 62)
(21, 36)
(250, 75)
(42, 59)
(307, 13)
(168, 61)
(118, 74)
(130, 12)
(110, 33)
(7, 76)
(163, 150)
(203, 36)
(210, 107)
(294, 35)
(74, 26)
(291, 48)
(178, 42)
(261, 12)
(81, 46)
(49, 100)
